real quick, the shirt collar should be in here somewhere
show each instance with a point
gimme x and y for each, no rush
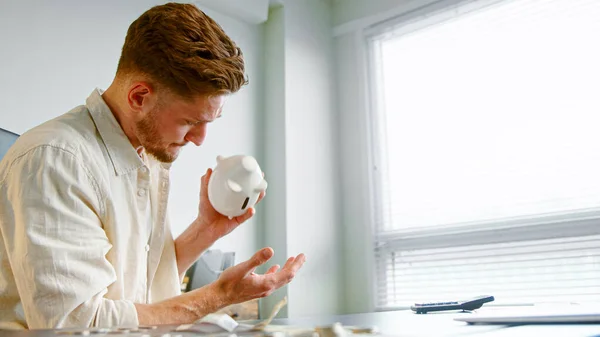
(122, 154)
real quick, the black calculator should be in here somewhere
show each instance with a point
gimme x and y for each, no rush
(467, 305)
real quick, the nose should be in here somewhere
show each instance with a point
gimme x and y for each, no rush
(196, 134)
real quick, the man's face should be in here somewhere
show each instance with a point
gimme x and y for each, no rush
(169, 126)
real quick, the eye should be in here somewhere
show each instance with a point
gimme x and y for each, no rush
(192, 123)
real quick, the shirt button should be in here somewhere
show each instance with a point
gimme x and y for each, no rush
(147, 248)
(141, 192)
(144, 169)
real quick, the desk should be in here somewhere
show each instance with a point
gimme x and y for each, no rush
(392, 323)
(406, 323)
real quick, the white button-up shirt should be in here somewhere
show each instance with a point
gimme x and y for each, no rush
(76, 248)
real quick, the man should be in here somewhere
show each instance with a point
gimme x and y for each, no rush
(85, 237)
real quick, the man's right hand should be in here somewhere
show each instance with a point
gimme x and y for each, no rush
(235, 285)
(240, 283)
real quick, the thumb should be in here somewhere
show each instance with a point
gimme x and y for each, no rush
(259, 258)
(204, 183)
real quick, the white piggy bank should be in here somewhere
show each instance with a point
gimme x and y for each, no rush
(235, 185)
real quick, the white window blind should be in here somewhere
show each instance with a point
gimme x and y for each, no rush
(487, 152)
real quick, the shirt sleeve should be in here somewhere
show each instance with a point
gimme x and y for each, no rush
(56, 243)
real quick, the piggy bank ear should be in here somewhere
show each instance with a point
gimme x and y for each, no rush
(261, 186)
(234, 186)
(249, 163)
(219, 158)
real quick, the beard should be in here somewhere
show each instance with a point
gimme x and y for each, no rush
(150, 139)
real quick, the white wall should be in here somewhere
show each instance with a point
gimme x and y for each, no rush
(351, 18)
(312, 170)
(302, 149)
(273, 231)
(54, 53)
(251, 11)
(356, 210)
(350, 15)
(350, 10)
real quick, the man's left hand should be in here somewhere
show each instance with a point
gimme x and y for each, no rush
(213, 223)
(208, 227)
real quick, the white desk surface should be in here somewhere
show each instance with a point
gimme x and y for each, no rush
(392, 323)
(406, 323)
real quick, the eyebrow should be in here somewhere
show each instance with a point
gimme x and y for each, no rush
(203, 120)
(219, 113)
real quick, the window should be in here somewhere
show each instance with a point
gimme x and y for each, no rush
(486, 152)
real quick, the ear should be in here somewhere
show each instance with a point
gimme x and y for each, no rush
(139, 96)
(262, 186)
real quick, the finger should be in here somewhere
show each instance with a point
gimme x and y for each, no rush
(204, 183)
(289, 270)
(261, 196)
(288, 263)
(273, 269)
(259, 258)
(206, 176)
(248, 267)
(294, 263)
(241, 218)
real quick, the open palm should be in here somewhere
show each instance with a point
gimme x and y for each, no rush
(240, 283)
